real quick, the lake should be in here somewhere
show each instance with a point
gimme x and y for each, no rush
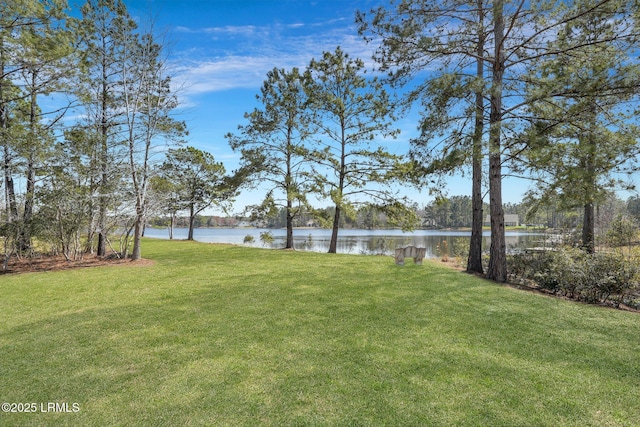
(352, 241)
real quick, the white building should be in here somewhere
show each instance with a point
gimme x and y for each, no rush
(510, 220)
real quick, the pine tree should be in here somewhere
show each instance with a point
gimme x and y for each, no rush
(583, 133)
(273, 145)
(106, 28)
(351, 110)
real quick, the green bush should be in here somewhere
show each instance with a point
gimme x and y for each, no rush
(571, 272)
(460, 248)
(611, 277)
(266, 237)
(539, 268)
(623, 232)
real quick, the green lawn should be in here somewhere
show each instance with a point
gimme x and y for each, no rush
(224, 335)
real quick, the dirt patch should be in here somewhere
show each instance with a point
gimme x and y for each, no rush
(55, 263)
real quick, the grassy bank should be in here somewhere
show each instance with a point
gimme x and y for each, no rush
(224, 335)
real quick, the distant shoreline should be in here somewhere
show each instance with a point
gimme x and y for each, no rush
(453, 229)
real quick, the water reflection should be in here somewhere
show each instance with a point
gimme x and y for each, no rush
(368, 242)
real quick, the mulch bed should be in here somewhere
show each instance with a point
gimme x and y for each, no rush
(58, 262)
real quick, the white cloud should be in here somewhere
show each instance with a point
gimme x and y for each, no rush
(241, 56)
(230, 30)
(226, 31)
(225, 73)
(181, 29)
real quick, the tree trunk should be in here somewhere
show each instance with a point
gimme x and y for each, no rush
(102, 208)
(474, 262)
(289, 184)
(9, 189)
(333, 244)
(25, 232)
(498, 252)
(289, 244)
(589, 182)
(91, 228)
(172, 224)
(102, 243)
(192, 220)
(104, 159)
(136, 252)
(588, 228)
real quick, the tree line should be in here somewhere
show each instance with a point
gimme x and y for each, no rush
(545, 89)
(454, 212)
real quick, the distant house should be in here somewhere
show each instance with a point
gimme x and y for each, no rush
(510, 220)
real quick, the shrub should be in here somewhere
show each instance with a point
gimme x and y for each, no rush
(623, 232)
(266, 237)
(460, 249)
(611, 277)
(593, 278)
(539, 268)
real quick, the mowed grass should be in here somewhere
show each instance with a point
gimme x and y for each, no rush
(226, 335)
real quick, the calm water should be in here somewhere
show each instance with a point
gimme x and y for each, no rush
(351, 241)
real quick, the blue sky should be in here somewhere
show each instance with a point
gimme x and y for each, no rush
(221, 51)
